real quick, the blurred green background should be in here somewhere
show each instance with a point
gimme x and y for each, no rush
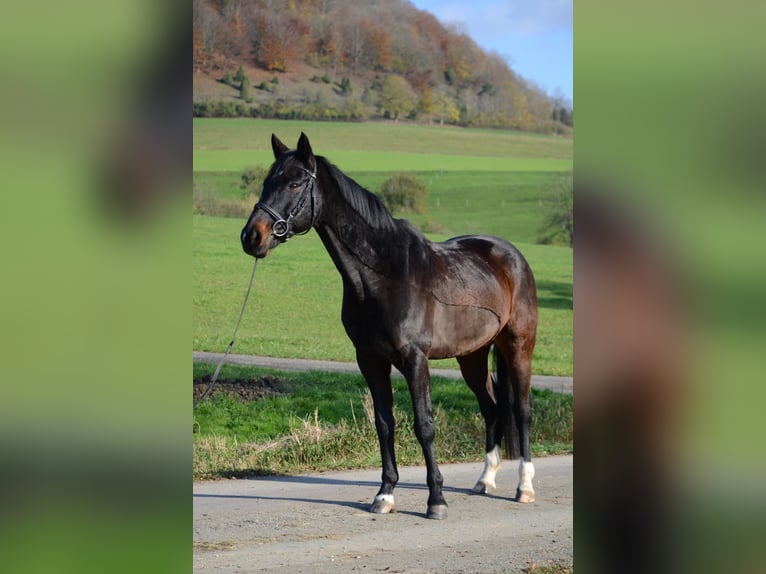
(96, 309)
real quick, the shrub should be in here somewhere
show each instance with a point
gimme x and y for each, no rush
(200, 109)
(252, 179)
(404, 192)
(205, 202)
(558, 227)
(432, 226)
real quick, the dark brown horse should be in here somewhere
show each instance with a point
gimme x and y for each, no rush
(407, 300)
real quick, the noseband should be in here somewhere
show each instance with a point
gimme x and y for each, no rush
(281, 226)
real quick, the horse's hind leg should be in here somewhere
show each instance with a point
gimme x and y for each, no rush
(517, 353)
(476, 373)
(377, 373)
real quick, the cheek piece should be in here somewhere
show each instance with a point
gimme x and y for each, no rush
(281, 226)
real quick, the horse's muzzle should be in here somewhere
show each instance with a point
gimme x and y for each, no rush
(257, 240)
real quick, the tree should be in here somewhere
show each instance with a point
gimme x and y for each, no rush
(444, 108)
(279, 39)
(240, 75)
(565, 117)
(397, 97)
(244, 89)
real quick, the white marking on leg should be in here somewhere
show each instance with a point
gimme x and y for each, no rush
(387, 498)
(526, 474)
(383, 503)
(492, 461)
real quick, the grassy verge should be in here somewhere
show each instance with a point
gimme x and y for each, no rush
(323, 421)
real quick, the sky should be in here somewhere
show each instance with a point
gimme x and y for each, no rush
(533, 36)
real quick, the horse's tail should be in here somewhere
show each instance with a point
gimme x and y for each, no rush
(506, 418)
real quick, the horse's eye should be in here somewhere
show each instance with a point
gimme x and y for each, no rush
(294, 185)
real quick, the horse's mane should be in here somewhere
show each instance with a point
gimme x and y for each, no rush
(365, 203)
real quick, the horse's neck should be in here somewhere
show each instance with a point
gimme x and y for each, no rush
(355, 246)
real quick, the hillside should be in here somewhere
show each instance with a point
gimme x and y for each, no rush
(370, 59)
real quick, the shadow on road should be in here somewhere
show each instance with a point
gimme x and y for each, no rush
(329, 481)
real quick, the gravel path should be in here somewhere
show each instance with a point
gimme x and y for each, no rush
(319, 523)
(560, 384)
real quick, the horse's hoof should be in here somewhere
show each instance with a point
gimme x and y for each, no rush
(482, 488)
(437, 512)
(383, 504)
(525, 496)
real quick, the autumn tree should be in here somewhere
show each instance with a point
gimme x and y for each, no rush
(444, 108)
(397, 97)
(199, 54)
(279, 40)
(209, 31)
(377, 53)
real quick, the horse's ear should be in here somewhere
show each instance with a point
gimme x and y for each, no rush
(305, 153)
(278, 147)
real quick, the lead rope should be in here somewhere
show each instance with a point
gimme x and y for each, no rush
(231, 343)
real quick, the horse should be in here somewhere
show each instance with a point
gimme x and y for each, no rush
(406, 300)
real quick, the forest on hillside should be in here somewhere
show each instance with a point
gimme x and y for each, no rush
(335, 59)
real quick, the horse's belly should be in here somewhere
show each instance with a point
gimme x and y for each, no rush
(461, 329)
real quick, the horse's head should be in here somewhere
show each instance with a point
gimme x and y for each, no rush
(287, 205)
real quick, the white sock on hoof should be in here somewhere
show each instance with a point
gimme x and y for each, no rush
(383, 503)
(389, 498)
(492, 462)
(526, 474)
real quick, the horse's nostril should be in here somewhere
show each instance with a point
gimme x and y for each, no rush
(250, 239)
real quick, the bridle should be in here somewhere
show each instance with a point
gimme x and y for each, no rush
(281, 226)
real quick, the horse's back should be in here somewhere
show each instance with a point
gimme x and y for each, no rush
(495, 256)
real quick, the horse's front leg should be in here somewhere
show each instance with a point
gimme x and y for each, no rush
(377, 373)
(415, 370)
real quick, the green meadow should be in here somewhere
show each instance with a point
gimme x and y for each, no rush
(326, 137)
(478, 181)
(232, 160)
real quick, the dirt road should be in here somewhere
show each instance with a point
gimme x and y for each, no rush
(319, 523)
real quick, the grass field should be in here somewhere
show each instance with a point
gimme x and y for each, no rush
(322, 421)
(294, 310)
(388, 161)
(232, 144)
(330, 137)
(485, 182)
